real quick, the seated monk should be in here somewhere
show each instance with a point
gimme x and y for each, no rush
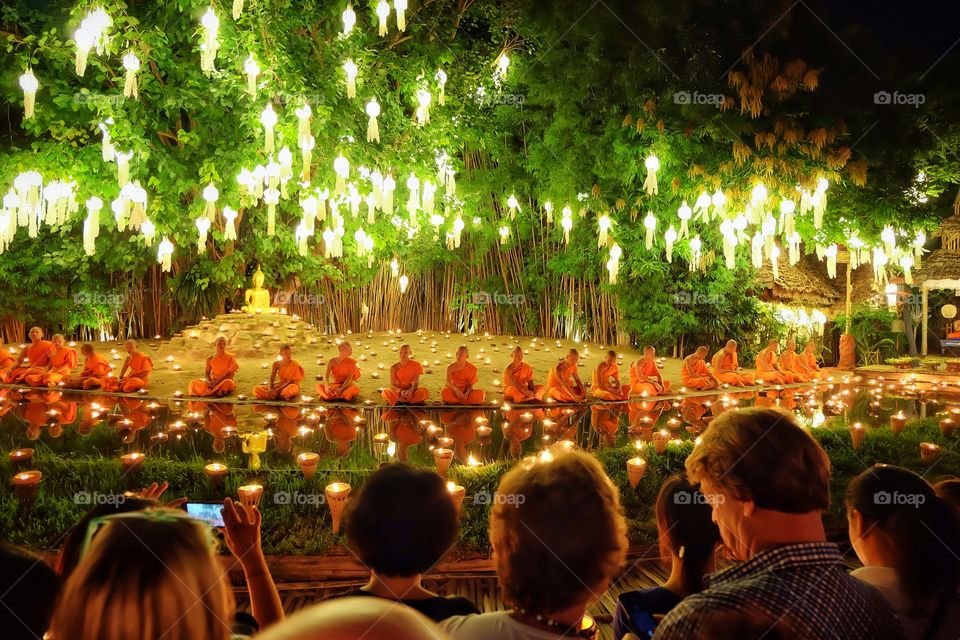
(218, 373)
(339, 380)
(694, 372)
(405, 381)
(32, 360)
(606, 380)
(96, 369)
(791, 363)
(809, 360)
(726, 367)
(518, 384)
(134, 374)
(61, 360)
(563, 382)
(7, 363)
(645, 376)
(461, 378)
(767, 368)
(285, 376)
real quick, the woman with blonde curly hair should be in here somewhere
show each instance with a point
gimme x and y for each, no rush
(559, 537)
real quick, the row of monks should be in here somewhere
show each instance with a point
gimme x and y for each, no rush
(51, 363)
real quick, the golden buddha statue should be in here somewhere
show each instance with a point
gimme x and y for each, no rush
(257, 299)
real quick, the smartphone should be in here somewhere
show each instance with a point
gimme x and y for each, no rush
(208, 512)
(643, 623)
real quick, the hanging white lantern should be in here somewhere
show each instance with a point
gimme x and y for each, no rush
(123, 167)
(394, 267)
(774, 264)
(918, 242)
(500, 73)
(758, 198)
(429, 193)
(695, 255)
(756, 250)
(349, 20)
(769, 230)
(237, 9)
(400, 6)
(613, 264)
(740, 224)
(304, 112)
(504, 234)
(268, 118)
(906, 263)
(819, 202)
(413, 201)
(210, 196)
(271, 197)
(793, 244)
(306, 156)
(603, 223)
(84, 40)
(149, 231)
(566, 223)
(831, 254)
(165, 254)
(252, 69)
(29, 84)
(229, 224)
(302, 234)
(458, 226)
(285, 160)
(855, 246)
(685, 213)
(787, 208)
(383, 12)
(650, 223)
(208, 47)
(371, 208)
(404, 283)
(889, 239)
(376, 182)
(203, 226)
(669, 238)
(880, 260)
(423, 106)
(389, 186)
(702, 206)
(652, 163)
(513, 206)
(373, 129)
(341, 166)
(548, 208)
(719, 201)
(138, 204)
(132, 64)
(441, 77)
(107, 150)
(729, 243)
(350, 71)
(91, 225)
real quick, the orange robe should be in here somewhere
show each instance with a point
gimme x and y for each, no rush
(6, 360)
(767, 370)
(643, 387)
(139, 366)
(405, 376)
(96, 369)
(219, 366)
(602, 374)
(290, 375)
(37, 356)
(691, 373)
(466, 377)
(790, 364)
(345, 368)
(725, 367)
(523, 376)
(61, 364)
(555, 381)
(808, 359)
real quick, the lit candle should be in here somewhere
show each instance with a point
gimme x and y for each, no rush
(337, 494)
(897, 422)
(20, 456)
(381, 438)
(445, 442)
(565, 445)
(443, 457)
(250, 494)
(27, 484)
(457, 493)
(216, 472)
(947, 427)
(929, 452)
(660, 440)
(857, 432)
(483, 431)
(131, 461)
(308, 463)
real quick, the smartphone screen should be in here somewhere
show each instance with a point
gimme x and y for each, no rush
(209, 512)
(643, 623)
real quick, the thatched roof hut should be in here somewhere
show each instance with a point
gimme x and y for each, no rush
(803, 284)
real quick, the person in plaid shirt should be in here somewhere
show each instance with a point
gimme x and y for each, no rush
(767, 481)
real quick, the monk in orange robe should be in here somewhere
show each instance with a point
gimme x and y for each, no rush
(218, 375)
(339, 381)
(645, 376)
(726, 367)
(767, 368)
(694, 372)
(134, 374)
(285, 377)
(61, 360)
(96, 369)
(563, 382)
(518, 384)
(33, 359)
(7, 363)
(809, 359)
(606, 380)
(405, 381)
(791, 363)
(461, 378)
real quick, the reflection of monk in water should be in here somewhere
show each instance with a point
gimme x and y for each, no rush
(693, 410)
(605, 419)
(341, 428)
(644, 415)
(403, 427)
(461, 425)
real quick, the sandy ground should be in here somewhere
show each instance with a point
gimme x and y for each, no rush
(255, 341)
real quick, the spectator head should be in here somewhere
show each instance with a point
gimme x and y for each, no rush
(949, 490)
(558, 533)
(28, 590)
(149, 574)
(73, 544)
(897, 520)
(352, 618)
(685, 530)
(755, 500)
(402, 522)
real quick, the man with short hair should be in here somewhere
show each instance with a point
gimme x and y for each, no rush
(563, 382)
(694, 372)
(767, 481)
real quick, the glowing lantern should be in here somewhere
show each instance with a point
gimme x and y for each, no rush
(165, 254)
(512, 206)
(719, 201)
(383, 12)
(401, 7)
(237, 9)
(404, 283)
(504, 234)
(208, 48)
(306, 156)
(819, 202)
(652, 163)
(132, 64)
(613, 264)
(229, 224)
(695, 247)
(29, 84)
(793, 241)
(373, 129)
(650, 223)
(548, 208)
(684, 213)
(441, 77)
(350, 71)
(123, 167)
(702, 206)
(906, 263)
(271, 197)
(149, 231)
(349, 20)
(210, 195)
(458, 226)
(252, 69)
(394, 267)
(203, 226)
(831, 253)
(84, 40)
(756, 250)
(889, 239)
(389, 186)
(566, 223)
(423, 107)
(429, 193)
(106, 145)
(91, 226)
(413, 201)
(268, 118)
(729, 243)
(669, 238)
(918, 243)
(341, 166)
(603, 223)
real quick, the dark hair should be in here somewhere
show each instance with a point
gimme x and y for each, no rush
(402, 521)
(923, 528)
(684, 522)
(611, 352)
(949, 490)
(29, 590)
(72, 545)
